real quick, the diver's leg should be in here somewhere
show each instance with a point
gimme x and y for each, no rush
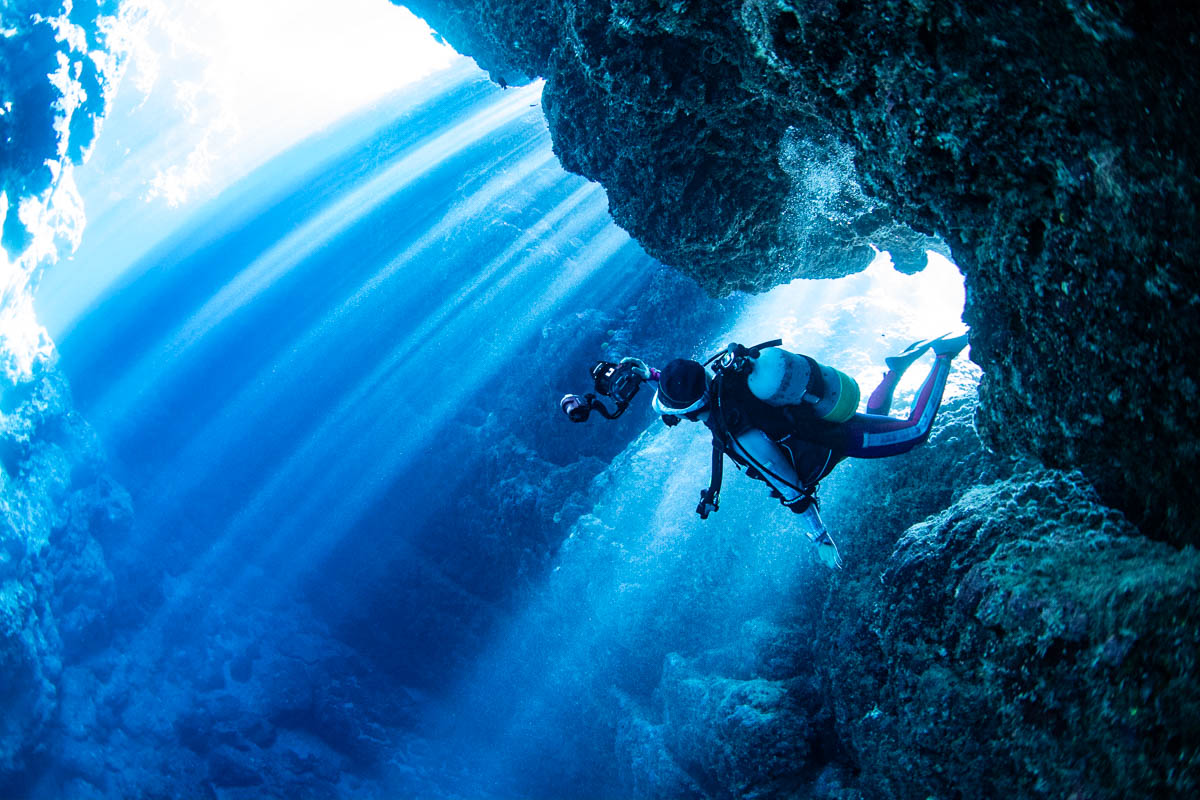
(872, 436)
(880, 401)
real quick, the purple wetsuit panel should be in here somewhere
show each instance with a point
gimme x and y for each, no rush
(880, 401)
(873, 435)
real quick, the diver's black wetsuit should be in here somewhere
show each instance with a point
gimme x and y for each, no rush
(810, 447)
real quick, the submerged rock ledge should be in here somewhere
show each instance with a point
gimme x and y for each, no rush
(58, 508)
(1049, 145)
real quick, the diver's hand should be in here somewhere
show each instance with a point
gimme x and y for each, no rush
(828, 553)
(818, 534)
(639, 367)
(709, 502)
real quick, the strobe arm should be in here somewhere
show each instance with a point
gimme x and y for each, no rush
(578, 408)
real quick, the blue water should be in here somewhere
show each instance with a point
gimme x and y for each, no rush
(298, 360)
(369, 557)
(333, 395)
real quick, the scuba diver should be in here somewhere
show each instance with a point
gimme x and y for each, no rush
(784, 418)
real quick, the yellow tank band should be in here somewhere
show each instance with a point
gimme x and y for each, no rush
(848, 396)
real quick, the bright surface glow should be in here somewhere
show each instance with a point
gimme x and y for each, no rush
(249, 78)
(853, 323)
(213, 89)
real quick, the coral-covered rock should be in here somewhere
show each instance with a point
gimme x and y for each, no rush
(55, 75)
(55, 587)
(648, 768)
(720, 736)
(997, 628)
(134, 720)
(1029, 642)
(746, 736)
(656, 102)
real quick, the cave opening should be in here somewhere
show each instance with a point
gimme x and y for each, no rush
(333, 287)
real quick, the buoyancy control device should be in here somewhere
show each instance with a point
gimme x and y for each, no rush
(779, 378)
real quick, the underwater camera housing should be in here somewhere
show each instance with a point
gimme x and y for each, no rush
(619, 381)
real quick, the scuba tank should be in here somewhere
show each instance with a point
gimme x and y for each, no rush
(781, 378)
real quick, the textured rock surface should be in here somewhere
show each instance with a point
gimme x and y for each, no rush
(55, 588)
(1048, 144)
(1026, 641)
(55, 72)
(733, 729)
(655, 101)
(209, 700)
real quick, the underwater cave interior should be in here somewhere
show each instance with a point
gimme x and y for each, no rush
(290, 509)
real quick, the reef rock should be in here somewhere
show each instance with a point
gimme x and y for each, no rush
(55, 588)
(997, 630)
(55, 77)
(1049, 145)
(1026, 642)
(655, 102)
(213, 698)
(746, 734)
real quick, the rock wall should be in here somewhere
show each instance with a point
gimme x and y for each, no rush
(111, 689)
(1049, 145)
(56, 72)
(1025, 641)
(210, 699)
(56, 506)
